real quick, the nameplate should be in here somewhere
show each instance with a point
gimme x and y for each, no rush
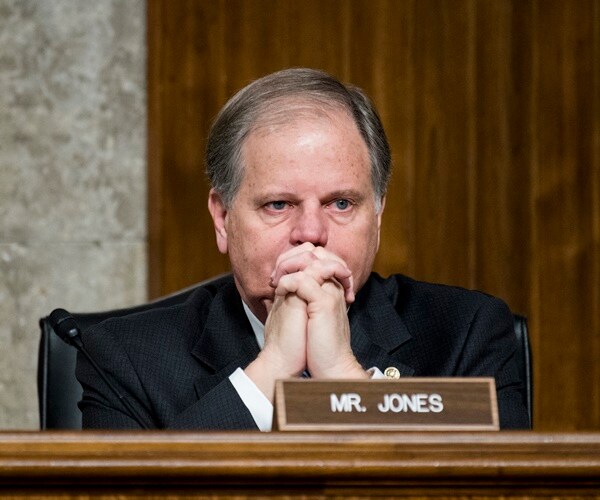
(411, 404)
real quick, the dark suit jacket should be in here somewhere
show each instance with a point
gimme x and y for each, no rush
(173, 363)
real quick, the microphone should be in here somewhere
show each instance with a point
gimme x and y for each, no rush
(65, 326)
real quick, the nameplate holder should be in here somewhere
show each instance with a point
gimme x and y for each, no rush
(411, 404)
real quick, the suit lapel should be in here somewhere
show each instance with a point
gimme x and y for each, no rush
(227, 340)
(379, 335)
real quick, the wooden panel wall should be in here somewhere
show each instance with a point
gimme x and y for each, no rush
(492, 108)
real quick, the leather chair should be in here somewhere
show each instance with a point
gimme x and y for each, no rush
(59, 391)
(58, 388)
(524, 364)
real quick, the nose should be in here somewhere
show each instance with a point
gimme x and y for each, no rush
(309, 225)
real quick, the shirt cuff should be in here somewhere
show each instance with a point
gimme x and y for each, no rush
(375, 373)
(257, 403)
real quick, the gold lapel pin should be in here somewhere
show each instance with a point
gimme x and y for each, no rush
(392, 372)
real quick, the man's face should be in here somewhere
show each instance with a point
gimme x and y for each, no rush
(304, 181)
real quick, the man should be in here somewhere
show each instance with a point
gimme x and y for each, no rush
(299, 165)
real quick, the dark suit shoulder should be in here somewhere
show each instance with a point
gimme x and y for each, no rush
(410, 288)
(444, 321)
(430, 303)
(158, 327)
(166, 316)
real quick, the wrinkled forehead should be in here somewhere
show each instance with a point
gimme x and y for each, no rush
(290, 111)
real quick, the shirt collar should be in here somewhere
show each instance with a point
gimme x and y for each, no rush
(257, 327)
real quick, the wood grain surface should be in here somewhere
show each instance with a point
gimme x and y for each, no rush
(459, 404)
(294, 465)
(492, 108)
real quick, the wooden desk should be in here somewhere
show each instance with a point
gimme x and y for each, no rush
(197, 465)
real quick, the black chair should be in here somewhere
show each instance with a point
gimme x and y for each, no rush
(59, 391)
(524, 364)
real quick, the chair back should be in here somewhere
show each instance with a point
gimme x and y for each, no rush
(523, 358)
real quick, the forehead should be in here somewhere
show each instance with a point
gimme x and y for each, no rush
(289, 110)
(306, 159)
(324, 147)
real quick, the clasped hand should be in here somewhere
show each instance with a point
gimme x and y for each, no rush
(307, 325)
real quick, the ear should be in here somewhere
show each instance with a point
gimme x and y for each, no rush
(218, 212)
(379, 216)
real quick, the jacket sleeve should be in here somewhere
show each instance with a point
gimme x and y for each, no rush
(160, 402)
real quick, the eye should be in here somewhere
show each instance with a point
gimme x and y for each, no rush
(276, 205)
(342, 204)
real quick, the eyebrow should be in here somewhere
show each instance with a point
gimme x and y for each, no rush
(266, 197)
(347, 193)
(273, 196)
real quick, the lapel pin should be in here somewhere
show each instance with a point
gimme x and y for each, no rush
(392, 372)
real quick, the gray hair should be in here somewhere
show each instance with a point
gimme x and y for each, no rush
(243, 112)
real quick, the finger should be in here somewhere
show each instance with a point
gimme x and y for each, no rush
(298, 257)
(323, 271)
(302, 285)
(321, 253)
(334, 270)
(349, 296)
(326, 270)
(324, 298)
(292, 264)
(305, 247)
(324, 254)
(305, 260)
